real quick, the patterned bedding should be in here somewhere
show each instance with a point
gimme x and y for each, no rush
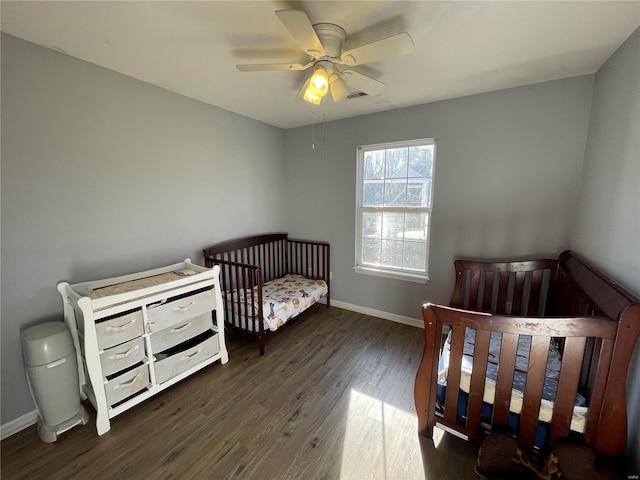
(554, 362)
(282, 299)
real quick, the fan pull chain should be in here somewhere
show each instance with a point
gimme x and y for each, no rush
(313, 132)
(324, 140)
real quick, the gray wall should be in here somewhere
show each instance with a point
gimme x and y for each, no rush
(607, 227)
(104, 175)
(507, 178)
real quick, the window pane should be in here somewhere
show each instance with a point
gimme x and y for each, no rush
(374, 164)
(428, 184)
(418, 192)
(392, 225)
(392, 253)
(371, 251)
(373, 193)
(397, 161)
(372, 224)
(421, 161)
(395, 192)
(414, 255)
(415, 226)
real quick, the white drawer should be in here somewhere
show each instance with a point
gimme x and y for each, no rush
(127, 384)
(122, 356)
(165, 315)
(180, 332)
(119, 329)
(172, 365)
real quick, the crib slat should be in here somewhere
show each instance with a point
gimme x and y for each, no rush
(533, 391)
(478, 378)
(504, 382)
(534, 293)
(268, 252)
(503, 285)
(518, 293)
(589, 363)
(473, 290)
(487, 297)
(567, 388)
(238, 286)
(453, 376)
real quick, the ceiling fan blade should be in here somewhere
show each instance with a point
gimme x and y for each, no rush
(399, 44)
(302, 30)
(263, 67)
(363, 83)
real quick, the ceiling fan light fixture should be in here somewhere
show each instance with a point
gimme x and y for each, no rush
(319, 84)
(310, 97)
(339, 88)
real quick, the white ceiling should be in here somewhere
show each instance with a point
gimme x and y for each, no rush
(461, 48)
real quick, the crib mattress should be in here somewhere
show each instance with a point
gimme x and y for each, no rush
(522, 361)
(282, 299)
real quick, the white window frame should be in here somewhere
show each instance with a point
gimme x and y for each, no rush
(379, 270)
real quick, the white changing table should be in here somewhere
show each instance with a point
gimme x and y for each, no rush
(137, 334)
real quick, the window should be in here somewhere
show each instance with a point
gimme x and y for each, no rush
(395, 191)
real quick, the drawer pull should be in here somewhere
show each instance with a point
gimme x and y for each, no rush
(189, 357)
(157, 304)
(118, 356)
(121, 328)
(130, 383)
(186, 308)
(180, 329)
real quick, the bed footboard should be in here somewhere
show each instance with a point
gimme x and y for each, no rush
(543, 331)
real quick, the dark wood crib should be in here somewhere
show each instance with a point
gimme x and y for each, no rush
(568, 303)
(247, 263)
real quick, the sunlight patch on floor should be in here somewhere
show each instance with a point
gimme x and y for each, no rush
(381, 441)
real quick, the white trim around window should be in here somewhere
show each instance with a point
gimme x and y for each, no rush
(393, 209)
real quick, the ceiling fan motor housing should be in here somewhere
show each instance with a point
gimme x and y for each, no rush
(332, 38)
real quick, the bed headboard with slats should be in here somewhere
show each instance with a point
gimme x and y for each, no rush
(268, 251)
(508, 288)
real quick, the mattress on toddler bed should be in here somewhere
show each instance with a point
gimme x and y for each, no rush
(554, 361)
(282, 299)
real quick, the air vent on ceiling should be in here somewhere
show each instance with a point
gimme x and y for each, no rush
(356, 95)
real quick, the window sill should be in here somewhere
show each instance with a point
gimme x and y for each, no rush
(378, 272)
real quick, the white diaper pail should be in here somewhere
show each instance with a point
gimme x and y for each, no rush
(52, 374)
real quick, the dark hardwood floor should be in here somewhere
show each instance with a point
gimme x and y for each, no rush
(331, 399)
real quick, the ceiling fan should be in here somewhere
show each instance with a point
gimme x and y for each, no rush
(323, 42)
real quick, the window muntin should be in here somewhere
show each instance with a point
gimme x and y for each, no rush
(395, 190)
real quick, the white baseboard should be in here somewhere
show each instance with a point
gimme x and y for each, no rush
(414, 322)
(20, 423)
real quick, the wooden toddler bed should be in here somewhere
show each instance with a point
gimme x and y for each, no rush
(508, 324)
(268, 279)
